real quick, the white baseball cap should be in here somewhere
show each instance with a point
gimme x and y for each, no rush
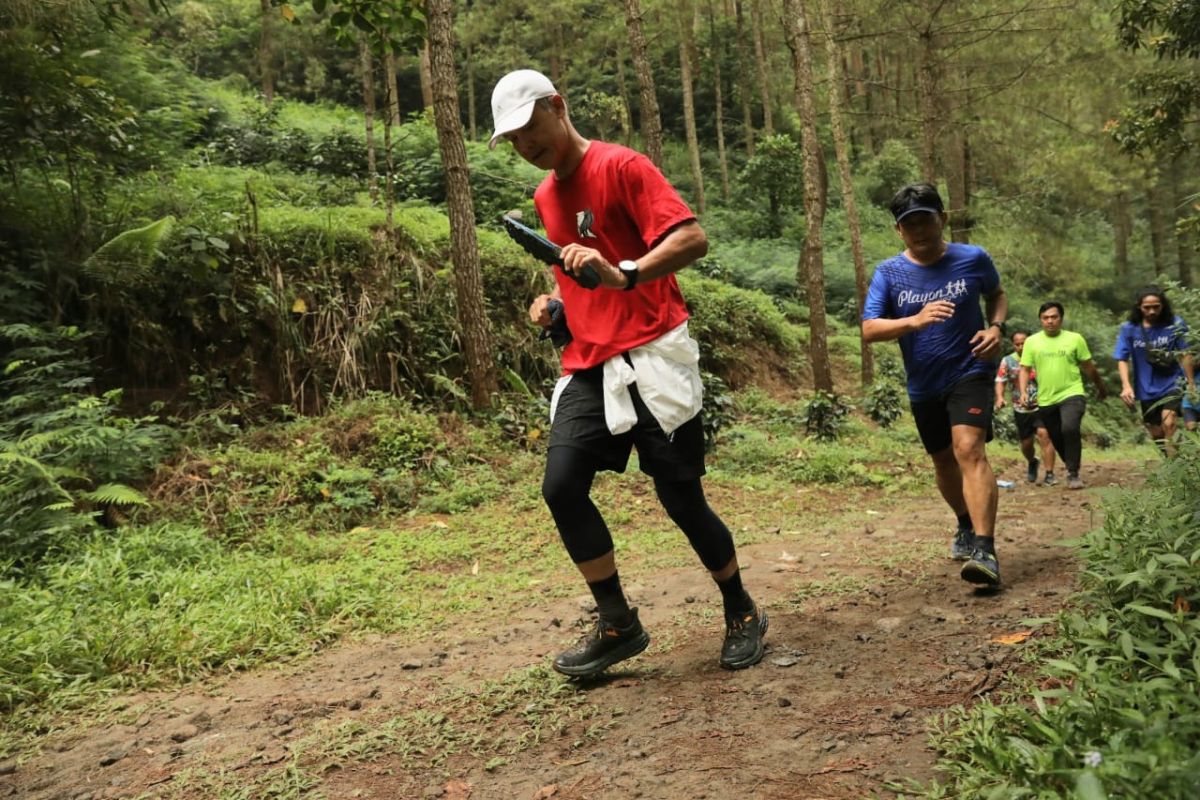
(513, 99)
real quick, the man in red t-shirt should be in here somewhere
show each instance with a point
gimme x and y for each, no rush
(630, 373)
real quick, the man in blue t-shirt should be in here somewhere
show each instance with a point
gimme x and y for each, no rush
(928, 297)
(1153, 345)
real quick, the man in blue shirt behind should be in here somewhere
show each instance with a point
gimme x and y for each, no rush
(928, 297)
(1154, 344)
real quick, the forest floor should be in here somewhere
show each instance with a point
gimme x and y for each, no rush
(872, 636)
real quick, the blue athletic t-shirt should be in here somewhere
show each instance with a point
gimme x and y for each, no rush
(939, 356)
(1151, 382)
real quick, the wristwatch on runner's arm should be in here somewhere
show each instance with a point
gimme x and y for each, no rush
(630, 270)
(999, 324)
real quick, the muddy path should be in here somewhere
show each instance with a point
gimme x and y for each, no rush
(872, 636)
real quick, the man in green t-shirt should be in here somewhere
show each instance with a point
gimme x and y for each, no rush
(1060, 358)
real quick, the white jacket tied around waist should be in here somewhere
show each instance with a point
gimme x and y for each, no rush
(667, 374)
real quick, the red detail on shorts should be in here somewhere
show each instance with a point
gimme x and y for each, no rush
(974, 410)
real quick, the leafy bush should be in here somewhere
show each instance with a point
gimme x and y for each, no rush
(884, 402)
(65, 454)
(1116, 713)
(894, 167)
(822, 415)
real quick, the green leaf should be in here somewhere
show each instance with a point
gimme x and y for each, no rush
(1089, 787)
(319, 6)
(363, 24)
(1150, 612)
(340, 19)
(116, 494)
(1126, 644)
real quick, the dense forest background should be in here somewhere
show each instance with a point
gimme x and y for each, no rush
(267, 376)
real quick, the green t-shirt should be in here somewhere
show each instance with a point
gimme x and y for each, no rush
(1056, 361)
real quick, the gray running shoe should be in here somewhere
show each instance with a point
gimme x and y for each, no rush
(1073, 482)
(982, 568)
(963, 545)
(1049, 480)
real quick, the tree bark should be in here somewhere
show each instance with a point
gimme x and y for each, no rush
(1122, 228)
(426, 77)
(265, 52)
(760, 61)
(368, 85)
(744, 61)
(686, 46)
(841, 146)
(957, 181)
(811, 267)
(927, 102)
(1158, 224)
(471, 95)
(717, 51)
(651, 121)
(390, 122)
(464, 252)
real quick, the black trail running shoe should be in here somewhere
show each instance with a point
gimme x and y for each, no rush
(1031, 471)
(744, 634)
(601, 647)
(983, 568)
(963, 545)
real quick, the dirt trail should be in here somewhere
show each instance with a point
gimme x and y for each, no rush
(872, 633)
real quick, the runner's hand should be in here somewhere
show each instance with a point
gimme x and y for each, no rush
(986, 343)
(538, 312)
(1000, 404)
(575, 257)
(1127, 396)
(931, 313)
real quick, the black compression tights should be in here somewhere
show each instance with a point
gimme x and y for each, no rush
(568, 481)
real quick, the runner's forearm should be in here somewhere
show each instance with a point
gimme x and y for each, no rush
(1123, 370)
(678, 249)
(997, 307)
(885, 330)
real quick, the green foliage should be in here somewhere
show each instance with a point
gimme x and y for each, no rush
(1116, 713)
(773, 174)
(718, 408)
(884, 402)
(893, 167)
(65, 454)
(823, 414)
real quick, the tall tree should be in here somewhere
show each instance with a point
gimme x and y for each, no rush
(266, 51)
(811, 268)
(651, 121)
(744, 62)
(464, 252)
(841, 146)
(686, 61)
(717, 55)
(367, 68)
(426, 73)
(760, 63)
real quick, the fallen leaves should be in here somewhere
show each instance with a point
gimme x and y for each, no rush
(1011, 638)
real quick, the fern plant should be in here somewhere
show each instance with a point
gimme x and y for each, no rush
(65, 454)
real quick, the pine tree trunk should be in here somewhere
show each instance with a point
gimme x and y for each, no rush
(686, 61)
(860, 61)
(927, 102)
(651, 121)
(717, 57)
(1158, 225)
(744, 62)
(368, 85)
(464, 252)
(812, 266)
(957, 167)
(841, 147)
(390, 122)
(426, 77)
(265, 47)
(760, 61)
(1122, 229)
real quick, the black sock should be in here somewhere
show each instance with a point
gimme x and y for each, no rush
(964, 522)
(986, 543)
(737, 601)
(610, 600)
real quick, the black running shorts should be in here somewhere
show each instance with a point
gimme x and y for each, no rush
(579, 422)
(1028, 423)
(968, 402)
(1152, 410)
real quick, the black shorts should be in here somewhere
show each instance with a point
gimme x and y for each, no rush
(1027, 424)
(968, 402)
(1152, 410)
(579, 422)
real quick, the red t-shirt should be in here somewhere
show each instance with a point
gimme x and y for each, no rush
(616, 202)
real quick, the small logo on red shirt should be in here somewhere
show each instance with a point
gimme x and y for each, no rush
(583, 224)
(975, 410)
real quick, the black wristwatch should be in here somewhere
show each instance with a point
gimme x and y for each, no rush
(630, 270)
(1003, 328)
